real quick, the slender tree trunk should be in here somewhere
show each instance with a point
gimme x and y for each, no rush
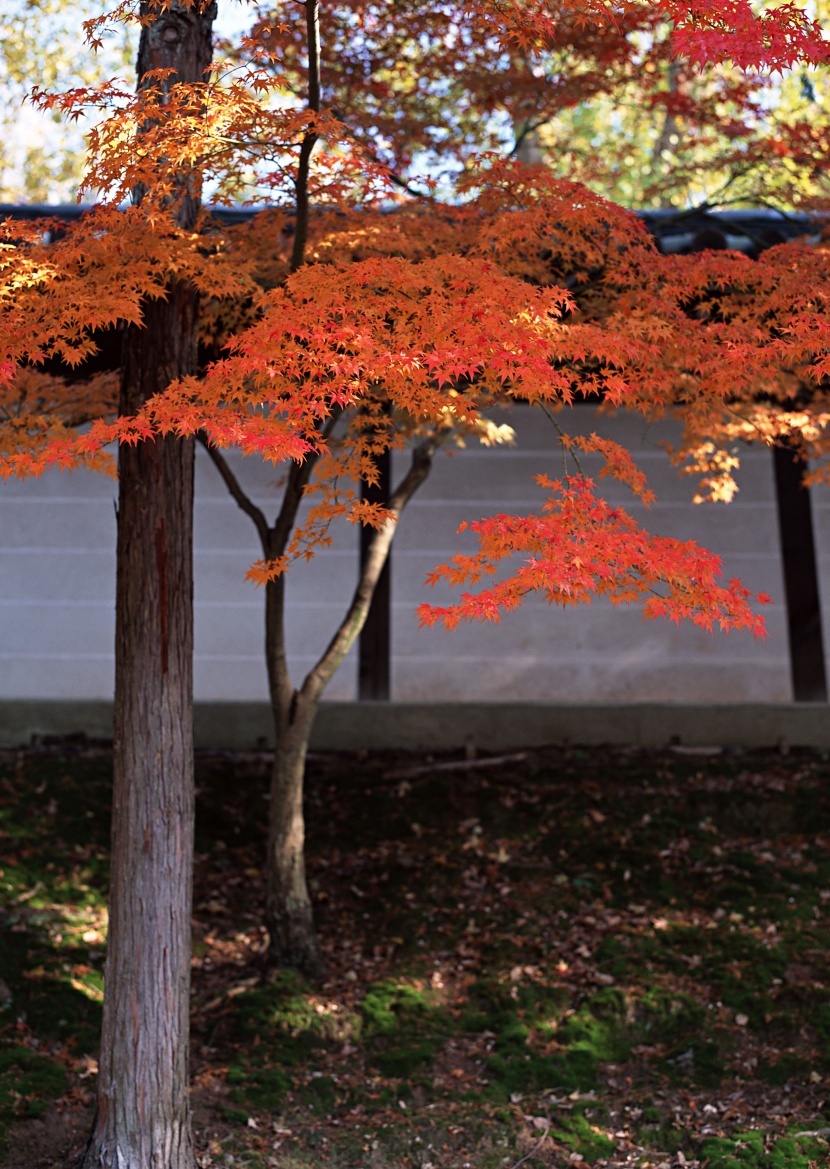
(143, 1114)
(288, 912)
(292, 940)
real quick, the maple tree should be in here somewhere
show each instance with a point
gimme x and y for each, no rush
(373, 329)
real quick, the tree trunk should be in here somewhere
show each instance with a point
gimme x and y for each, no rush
(292, 940)
(288, 913)
(142, 1117)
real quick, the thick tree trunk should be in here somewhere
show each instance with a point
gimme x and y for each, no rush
(143, 1114)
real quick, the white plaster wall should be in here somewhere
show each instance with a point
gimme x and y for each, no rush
(57, 589)
(57, 581)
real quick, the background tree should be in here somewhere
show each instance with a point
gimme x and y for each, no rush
(605, 102)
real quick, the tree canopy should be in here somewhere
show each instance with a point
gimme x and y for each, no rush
(523, 286)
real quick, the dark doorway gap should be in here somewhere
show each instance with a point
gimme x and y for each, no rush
(374, 650)
(798, 557)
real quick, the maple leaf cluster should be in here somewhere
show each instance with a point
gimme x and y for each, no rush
(393, 319)
(578, 548)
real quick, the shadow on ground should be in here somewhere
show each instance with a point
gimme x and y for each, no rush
(606, 957)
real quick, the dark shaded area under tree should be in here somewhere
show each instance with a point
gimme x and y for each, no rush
(606, 953)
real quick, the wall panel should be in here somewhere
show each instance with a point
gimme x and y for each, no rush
(57, 578)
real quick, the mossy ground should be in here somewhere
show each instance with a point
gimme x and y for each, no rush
(619, 958)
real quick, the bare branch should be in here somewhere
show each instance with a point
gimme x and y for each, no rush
(243, 500)
(551, 417)
(355, 618)
(298, 478)
(393, 176)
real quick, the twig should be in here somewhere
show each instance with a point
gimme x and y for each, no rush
(537, 1146)
(814, 1132)
(457, 765)
(566, 450)
(533, 1151)
(233, 485)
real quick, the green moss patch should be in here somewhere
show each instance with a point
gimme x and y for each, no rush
(580, 1136)
(403, 1027)
(752, 1150)
(29, 1083)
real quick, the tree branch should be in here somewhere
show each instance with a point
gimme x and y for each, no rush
(355, 618)
(393, 177)
(298, 478)
(529, 127)
(312, 20)
(243, 500)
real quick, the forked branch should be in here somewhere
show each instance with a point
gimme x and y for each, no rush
(240, 496)
(355, 618)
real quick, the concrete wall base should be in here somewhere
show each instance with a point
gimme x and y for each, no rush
(447, 726)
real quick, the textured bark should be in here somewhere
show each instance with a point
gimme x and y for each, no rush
(142, 1109)
(142, 1117)
(288, 912)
